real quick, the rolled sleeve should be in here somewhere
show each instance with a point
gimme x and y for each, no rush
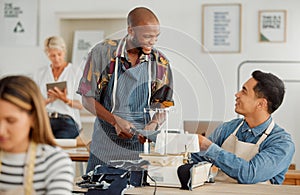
(271, 163)
(213, 151)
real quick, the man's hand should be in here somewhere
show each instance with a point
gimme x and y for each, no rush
(122, 127)
(151, 126)
(142, 139)
(203, 142)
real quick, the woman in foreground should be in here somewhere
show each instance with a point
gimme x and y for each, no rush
(30, 161)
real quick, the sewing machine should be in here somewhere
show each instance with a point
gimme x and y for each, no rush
(171, 151)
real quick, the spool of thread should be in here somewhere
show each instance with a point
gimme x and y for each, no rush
(146, 147)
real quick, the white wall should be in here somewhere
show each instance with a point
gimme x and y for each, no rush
(204, 84)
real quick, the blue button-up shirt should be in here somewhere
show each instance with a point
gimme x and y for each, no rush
(271, 163)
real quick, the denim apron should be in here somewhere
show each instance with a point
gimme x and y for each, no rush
(243, 150)
(130, 95)
(27, 188)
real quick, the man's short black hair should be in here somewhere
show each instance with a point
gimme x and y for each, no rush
(138, 15)
(269, 87)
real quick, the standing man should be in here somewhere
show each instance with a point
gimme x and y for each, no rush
(121, 79)
(252, 149)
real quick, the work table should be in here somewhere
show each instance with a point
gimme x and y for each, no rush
(221, 189)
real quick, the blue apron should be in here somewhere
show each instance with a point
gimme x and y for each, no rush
(127, 96)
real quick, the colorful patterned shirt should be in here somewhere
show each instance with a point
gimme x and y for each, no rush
(100, 64)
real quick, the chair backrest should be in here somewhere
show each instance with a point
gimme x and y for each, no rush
(201, 127)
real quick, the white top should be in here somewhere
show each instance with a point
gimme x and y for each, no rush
(72, 75)
(53, 171)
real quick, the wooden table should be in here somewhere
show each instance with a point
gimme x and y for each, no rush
(76, 189)
(222, 189)
(80, 154)
(292, 177)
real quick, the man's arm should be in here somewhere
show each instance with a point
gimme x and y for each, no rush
(271, 162)
(122, 126)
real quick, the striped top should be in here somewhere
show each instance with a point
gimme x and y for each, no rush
(53, 172)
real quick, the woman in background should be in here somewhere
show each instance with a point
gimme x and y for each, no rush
(62, 105)
(30, 163)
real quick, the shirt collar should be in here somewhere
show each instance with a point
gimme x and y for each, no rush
(258, 129)
(122, 52)
(121, 48)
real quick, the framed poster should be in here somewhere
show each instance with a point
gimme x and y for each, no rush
(83, 42)
(18, 22)
(272, 26)
(221, 28)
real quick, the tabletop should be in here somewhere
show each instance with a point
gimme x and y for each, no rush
(80, 154)
(221, 189)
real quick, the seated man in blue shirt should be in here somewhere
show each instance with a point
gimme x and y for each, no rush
(252, 149)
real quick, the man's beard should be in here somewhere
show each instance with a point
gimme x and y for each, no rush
(136, 45)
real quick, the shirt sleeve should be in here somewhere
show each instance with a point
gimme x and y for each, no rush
(60, 173)
(91, 73)
(74, 79)
(162, 88)
(217, 137)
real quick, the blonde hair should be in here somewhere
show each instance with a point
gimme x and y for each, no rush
(55, 42)
(24, 93)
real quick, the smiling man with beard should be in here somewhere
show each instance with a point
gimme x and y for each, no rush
(121, 79)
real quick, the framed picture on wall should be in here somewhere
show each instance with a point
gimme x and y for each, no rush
(83, 41)
(221, 28)
(18, 22)
(272, 26)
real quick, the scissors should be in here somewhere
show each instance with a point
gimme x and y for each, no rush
(149, 134)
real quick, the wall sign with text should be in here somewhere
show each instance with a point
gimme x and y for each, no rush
(84, 40)
(18, 22)
(221, 28)
(272, 26)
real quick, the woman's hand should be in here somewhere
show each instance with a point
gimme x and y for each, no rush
(122, 127)
(50, 99)
(56, 93)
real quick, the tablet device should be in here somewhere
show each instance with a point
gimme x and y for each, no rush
(60, 85)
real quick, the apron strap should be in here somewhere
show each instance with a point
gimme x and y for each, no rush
(116, 77)
(116, 74)
(149, 80)
(236, 130)
(28, 169)
(1, 154)
(266, 133)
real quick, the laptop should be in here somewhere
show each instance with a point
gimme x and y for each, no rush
(200, 127)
